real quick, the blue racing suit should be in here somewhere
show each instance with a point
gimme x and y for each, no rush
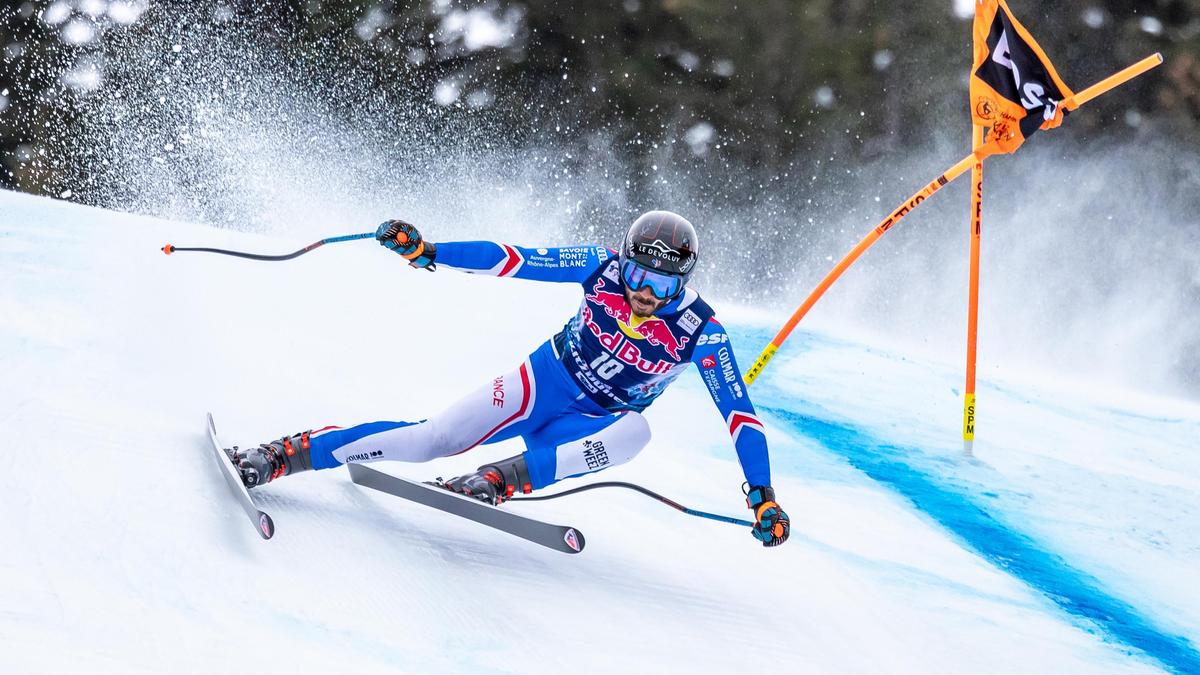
(576, 401)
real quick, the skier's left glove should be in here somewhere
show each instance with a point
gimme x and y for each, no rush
(771, 525)
(405, 239)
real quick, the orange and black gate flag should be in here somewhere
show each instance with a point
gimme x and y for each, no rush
(1014, 87)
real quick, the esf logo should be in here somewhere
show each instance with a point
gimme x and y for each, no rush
(714, 339)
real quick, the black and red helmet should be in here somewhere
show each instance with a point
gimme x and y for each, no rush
(660, 251)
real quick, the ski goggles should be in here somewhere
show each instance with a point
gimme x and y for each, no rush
(663, 286)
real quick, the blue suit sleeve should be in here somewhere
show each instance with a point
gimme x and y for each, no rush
(713, 357)
(571, 263)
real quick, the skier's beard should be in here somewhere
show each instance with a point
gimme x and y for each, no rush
(644, 305)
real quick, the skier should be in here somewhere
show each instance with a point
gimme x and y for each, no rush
(575, 401)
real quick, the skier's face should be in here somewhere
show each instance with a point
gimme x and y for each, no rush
(642, 302)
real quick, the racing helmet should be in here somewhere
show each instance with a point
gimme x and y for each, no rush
(660, 251)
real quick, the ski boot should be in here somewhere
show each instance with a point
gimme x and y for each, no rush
(269, 461)
(492, 483)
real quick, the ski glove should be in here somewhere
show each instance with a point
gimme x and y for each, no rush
(405, 239)
(771, 525)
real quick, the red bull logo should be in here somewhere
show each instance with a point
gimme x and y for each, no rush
(623, 348)
(613, 303)
(657, 333)
(654, 330)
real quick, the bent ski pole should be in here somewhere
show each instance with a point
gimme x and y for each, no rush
(649, 493)
(986, 150)
(169, 248)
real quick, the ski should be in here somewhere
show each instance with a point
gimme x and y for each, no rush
(266, 526)
(557, 537)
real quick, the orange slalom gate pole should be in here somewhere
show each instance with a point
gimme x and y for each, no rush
(880, 229)
(1115, 80)
(973, 291)
(987, 149)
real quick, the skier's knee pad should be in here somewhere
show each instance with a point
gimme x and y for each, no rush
(621, 441)
(604, 442)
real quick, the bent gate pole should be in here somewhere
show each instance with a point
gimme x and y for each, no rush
(926, 192)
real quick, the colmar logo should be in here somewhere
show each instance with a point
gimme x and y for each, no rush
(726, 364)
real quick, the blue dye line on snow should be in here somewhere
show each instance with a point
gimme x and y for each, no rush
(1074, 591)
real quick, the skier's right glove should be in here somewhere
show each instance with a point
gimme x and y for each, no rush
(771, 525)
(405, 239)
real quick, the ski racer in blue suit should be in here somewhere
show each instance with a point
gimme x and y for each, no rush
(576, 401)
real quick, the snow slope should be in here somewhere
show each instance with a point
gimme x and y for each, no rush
(1067, 545)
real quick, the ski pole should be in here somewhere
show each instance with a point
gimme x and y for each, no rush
(637, 488)
(170, 248)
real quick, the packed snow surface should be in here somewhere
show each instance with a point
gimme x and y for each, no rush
(1067, 544)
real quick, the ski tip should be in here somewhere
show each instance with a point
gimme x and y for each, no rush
(574, 540)
(266, 526)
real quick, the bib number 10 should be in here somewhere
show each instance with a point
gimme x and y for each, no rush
(606, 366)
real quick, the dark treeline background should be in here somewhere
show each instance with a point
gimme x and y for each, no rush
(760, 83)
(783, 128)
